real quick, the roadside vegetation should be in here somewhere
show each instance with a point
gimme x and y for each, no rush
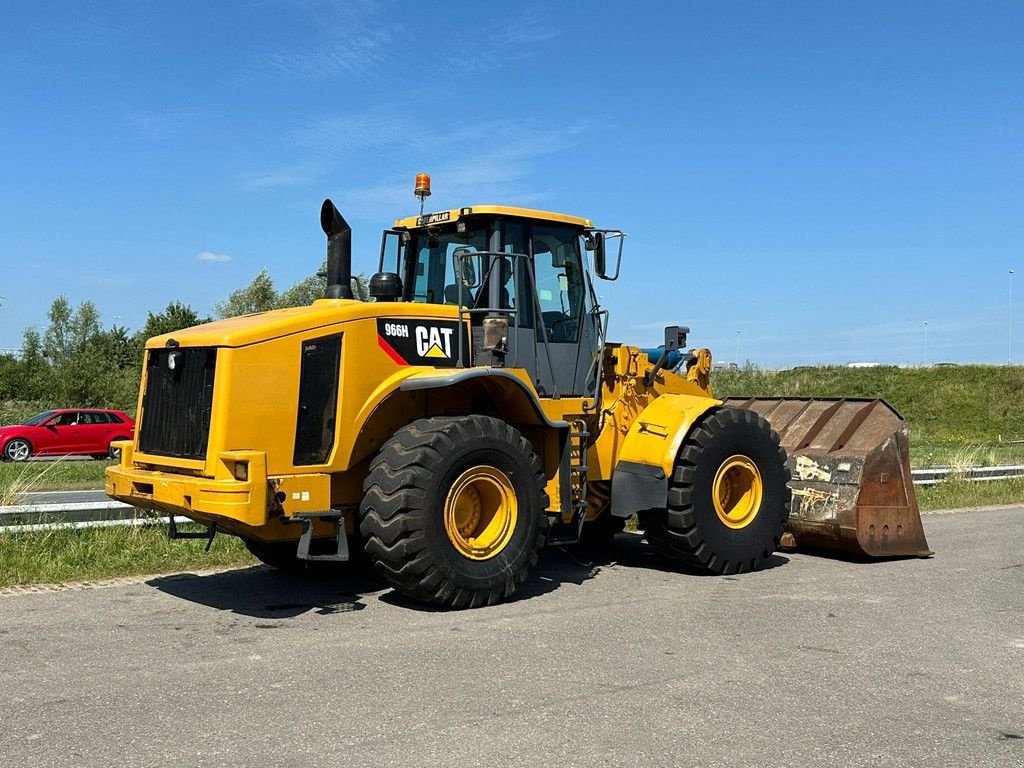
(19, 478)
(958, 494)
(958, 415)
(49, 557)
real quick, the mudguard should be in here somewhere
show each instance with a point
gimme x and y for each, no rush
(644, 465)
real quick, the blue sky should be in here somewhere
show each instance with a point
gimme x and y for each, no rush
(823, 177)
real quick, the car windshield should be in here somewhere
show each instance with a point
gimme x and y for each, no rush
(39, 417)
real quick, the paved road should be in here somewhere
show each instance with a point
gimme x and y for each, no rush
(813, 662)
(62, 497)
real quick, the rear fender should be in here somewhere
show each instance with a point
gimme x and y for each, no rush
(502, 393)
(644, 465)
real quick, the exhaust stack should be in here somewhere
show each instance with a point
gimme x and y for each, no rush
(339, 252)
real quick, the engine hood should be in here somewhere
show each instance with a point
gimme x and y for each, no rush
(264, 326)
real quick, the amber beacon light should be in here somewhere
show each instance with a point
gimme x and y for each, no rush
(422, 185)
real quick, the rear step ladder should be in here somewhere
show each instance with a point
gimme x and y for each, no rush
(306, 519)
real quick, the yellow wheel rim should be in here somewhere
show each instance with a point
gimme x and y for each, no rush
(737, 491)
(480, 512)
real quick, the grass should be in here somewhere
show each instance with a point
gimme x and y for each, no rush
(957, 494)
(965, 454)
(87, 554)
(59, 475)
(947, 408)
(944, 406)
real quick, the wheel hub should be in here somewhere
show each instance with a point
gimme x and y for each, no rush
(480, 512)
(18, 450)
(737, 491)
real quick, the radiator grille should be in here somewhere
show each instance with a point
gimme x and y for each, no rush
(178, 401)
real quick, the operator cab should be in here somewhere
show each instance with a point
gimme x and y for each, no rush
(520, 278)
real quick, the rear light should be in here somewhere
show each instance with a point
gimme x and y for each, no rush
(241, 471)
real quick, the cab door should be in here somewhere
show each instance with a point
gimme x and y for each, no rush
(557, 338)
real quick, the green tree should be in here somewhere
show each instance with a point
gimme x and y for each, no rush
(174, 317)
(304, 292)
(258, 296)
(57, 344)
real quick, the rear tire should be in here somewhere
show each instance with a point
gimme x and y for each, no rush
(17, 449)
(283, 555)
(732, 454)
(454, 511)
(277, 554)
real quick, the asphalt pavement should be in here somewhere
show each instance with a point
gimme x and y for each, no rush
(62, 497)
(610, 661)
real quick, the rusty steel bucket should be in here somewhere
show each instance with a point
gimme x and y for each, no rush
(849, 461)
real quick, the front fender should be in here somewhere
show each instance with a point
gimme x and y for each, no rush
(644, 464)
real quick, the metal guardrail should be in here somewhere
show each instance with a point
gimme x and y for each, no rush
(22, 518)
(49, 517)
(973, 474)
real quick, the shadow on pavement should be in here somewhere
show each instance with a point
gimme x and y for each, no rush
(264, 592)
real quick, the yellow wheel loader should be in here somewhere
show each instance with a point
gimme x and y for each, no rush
(473, 413)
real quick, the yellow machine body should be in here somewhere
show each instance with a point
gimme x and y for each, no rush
(246, 477)
(256, 372)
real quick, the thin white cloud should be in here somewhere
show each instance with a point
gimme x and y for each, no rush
(520, 37)
(295, 175)
(483, 159)
(211, 256)
(335, 135)
(484, 162)
(318, 51)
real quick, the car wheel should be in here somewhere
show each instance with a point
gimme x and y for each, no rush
(17, 449)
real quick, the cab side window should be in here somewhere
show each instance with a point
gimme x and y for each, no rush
(558, 267)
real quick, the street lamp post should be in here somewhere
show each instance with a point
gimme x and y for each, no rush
(737, 347)
(1009, 325)
(926, 342)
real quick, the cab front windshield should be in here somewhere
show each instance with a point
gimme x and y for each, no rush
(438, 267)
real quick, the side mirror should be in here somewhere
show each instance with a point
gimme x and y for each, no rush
(596, 241)
(600, 258)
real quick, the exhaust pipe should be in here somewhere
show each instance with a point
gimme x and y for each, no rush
(339, 252)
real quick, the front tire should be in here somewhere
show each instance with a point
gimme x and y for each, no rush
(17, 449)
(454, 511)
(728, 500)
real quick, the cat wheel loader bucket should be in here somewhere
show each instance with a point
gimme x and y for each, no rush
(850, 474)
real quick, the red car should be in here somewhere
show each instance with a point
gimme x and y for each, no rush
(66, 431)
